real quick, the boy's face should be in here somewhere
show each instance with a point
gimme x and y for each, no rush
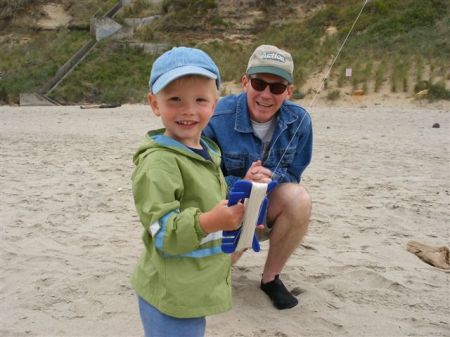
(185, 107)
(263, 105)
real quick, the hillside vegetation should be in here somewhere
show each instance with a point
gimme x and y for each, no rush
(396, 45)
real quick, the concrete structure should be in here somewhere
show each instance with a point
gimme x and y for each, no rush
(35, 99)
(123, 34)
(138, 22)
(101, 28)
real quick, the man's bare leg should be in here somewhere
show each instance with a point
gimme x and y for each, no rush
(289, 213)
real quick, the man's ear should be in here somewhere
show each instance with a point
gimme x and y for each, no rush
(153, 102)
(245, 82)
(290, 91)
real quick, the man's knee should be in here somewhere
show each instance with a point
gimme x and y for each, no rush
(292, 195)
(303, 198)
(290, 198)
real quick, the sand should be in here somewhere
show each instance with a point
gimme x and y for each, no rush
(380, 177)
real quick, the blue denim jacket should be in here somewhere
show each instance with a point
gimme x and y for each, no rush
(230, 127)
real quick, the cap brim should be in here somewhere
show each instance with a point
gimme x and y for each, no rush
(173, 74)
(270, 70)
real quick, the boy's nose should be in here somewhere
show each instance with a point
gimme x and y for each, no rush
(189, 109)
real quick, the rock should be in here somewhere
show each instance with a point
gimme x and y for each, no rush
(55, 17)
(436, 126)
(331, 30)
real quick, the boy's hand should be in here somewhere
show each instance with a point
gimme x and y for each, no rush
(258, 173)
(222, 217)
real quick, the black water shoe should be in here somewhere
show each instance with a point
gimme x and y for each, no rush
(280, 296)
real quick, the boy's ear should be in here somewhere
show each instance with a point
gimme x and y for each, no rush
(153, 102)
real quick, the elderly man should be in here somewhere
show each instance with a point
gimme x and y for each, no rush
(264, 136)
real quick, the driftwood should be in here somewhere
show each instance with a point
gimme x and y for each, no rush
(100, 106)
(438, 257)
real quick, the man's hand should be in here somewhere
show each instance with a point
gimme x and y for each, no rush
(258, 173)
(222, 217)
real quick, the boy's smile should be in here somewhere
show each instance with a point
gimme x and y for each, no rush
(187, 124)
(185, 107)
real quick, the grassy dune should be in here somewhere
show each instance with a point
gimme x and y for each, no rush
(401, 45)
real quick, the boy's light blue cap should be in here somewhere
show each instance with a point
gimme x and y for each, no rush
(178, 62)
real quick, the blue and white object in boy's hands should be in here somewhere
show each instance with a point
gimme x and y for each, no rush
(254, 196)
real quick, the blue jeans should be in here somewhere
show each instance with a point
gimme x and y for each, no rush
(157, 324)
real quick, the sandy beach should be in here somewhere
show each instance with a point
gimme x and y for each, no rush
(380, 177)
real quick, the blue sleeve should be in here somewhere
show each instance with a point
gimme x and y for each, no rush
(208, 131)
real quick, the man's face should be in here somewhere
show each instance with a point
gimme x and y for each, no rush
(263, 105)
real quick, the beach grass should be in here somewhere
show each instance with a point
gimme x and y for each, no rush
(394, 45)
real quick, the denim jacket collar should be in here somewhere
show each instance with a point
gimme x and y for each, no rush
(243, 124)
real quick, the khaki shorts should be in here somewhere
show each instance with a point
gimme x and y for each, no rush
(264, 233)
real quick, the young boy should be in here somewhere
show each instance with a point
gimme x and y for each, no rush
(178, 190)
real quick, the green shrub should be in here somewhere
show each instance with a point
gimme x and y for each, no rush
(28, 66)
(297, 94)
(146, 34)
(419, 68)
(9, 8)
(421, 85)
(99, 79)
(438, 91)
(136, 8)
(380, 75)
(228, 56)
(333, 95)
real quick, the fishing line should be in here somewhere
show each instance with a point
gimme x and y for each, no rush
(321, 84)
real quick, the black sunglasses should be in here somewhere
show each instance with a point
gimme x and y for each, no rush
(275, 88)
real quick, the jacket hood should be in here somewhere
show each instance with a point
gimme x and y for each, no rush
(156, 141)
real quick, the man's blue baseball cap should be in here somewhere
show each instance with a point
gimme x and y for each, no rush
(178, 62)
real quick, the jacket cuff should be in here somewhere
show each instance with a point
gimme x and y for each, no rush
(198, 229)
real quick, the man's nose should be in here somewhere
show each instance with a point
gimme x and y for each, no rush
(266, 91)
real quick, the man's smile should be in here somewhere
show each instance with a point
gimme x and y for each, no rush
(266, 105)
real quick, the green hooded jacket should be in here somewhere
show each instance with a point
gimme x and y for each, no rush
(182, 272)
